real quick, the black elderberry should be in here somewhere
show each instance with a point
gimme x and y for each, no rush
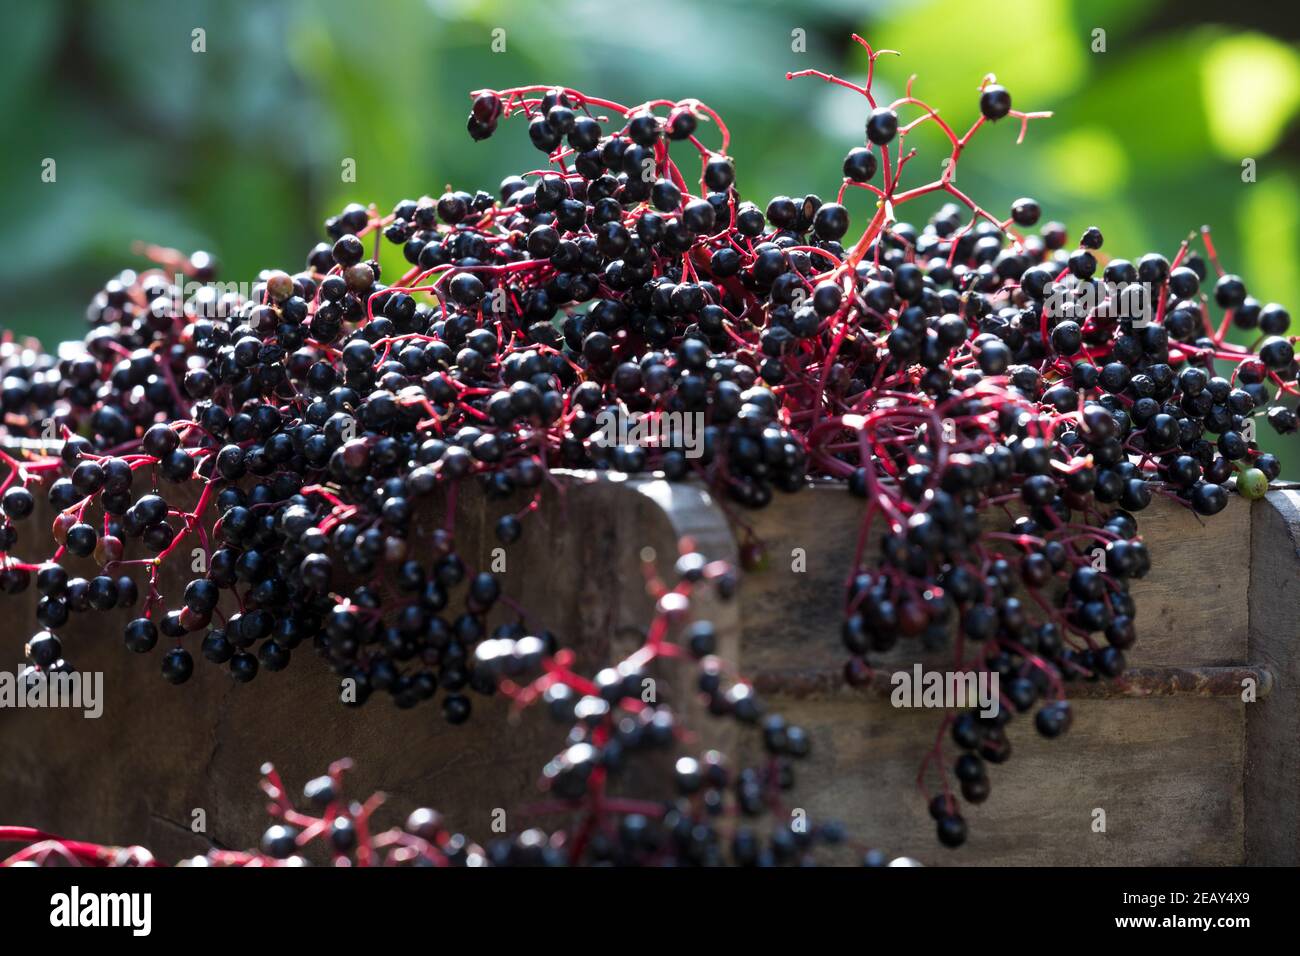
(1091, 238)
(1274, 320)
(280, 842)
(1208, 498)
(952, 830)
(243, 667)
(1277, 353)
(177, 666)
(1053, 718)
(882, 126)
(217, 648)
(18, 503)
(456, 708)
(44, 650)
(1184, 282)
(1229, 292)
(995, 102)
(1025, 212)
(860, 164)
(831, 221)
(81, 539)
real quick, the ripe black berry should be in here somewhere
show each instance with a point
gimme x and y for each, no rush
(1025, 212)
(995, 102)
(882, 126)
(177, 666)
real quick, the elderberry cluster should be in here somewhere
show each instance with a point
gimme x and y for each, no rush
(701, 812)
(1069, 414)
(1004, 403)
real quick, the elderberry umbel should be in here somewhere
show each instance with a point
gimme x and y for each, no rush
(1002, 399)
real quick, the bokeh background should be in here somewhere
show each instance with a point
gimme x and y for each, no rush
(238, 149)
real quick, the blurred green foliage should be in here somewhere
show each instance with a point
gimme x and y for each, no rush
(238, 149)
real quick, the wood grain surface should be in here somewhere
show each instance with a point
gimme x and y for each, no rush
(1272, 784)
(136, 774)
(1192, 607)
(1206, 780)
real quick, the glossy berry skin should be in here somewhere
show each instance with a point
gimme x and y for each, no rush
(1053, 719)
(1184, 282)
(719, 174)
(160, 440)
(1274, 319)
(81, 539)
(280, 841)
(782, 212)
(831, 221)
(141, 635)
(1091, 238)
(18, 503)
(1277, 353)
(201, 595)
(177, 666)
(860, 164)
(995, 102)
(217, 648)
(1229, 292)
(343, 834)
(952, 831)
(1025, 212)
(882, 126)
(1110, 662)
(1208, 498)
(243, 667)
(45, 649)
(456, 708)
(273, 656)
(508, 529)
(544, 136)
(1082, 264)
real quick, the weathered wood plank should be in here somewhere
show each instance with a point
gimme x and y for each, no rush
(1272, 772)
(1192, 607)
(1167, 774)
(1167, 771)
(159, 752)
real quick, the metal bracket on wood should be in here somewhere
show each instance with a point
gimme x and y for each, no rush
(1136, 682)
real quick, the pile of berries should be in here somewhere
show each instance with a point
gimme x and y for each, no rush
(1003, 401)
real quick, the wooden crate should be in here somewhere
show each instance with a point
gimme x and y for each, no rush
(160, 752)
(1186, 772)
